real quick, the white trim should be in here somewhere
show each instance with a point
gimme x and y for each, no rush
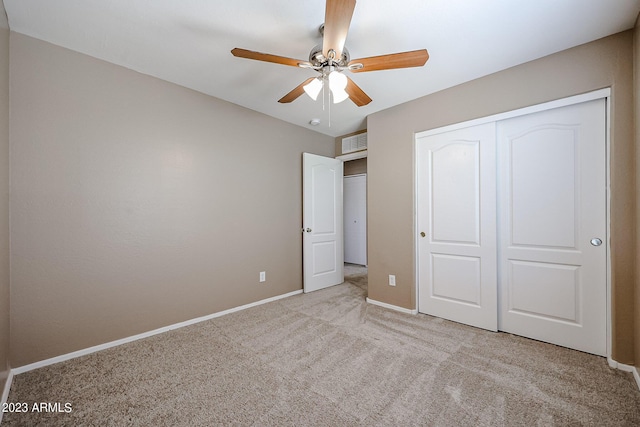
(607, 154)
(577, 99)
(355, 175)
(5, 392)
(625, 368)
(86, 351)
(416, 223)
(353, 156)
(392, 307)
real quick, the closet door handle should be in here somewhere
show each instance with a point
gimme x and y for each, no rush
(596, 242)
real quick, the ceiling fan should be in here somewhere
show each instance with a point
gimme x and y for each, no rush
(332, 58)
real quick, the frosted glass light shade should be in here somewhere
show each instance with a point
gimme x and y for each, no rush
(313, 88)
(337, 84)
(337, 80)
(339, 95)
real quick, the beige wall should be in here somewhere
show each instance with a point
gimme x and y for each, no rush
(4, 197)
(603, 63)
(636, 93)
(137, 203)
(355, 167)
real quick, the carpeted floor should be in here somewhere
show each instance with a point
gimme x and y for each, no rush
(330, 359)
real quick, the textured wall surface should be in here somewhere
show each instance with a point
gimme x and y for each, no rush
(4, 197)
(137, 203)
(355, 167)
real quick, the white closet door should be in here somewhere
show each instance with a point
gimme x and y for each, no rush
(456, 221)
(355, 219)
(553, 226)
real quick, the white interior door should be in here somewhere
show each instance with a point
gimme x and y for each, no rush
(322, 242)
(457, 266)
(355, 219)
(553, 207)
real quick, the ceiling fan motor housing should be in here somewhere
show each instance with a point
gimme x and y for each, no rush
(317, 58)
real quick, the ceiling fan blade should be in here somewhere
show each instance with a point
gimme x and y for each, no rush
(356, 94)
(295, 93)
(267, 57)
(414, 58)
(337, 19)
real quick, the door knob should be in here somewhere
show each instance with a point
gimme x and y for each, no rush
(596, 242)
(308, 230)
(422, 234)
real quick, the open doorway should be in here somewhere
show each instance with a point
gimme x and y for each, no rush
(358, 276)
(355, 222)
(355, 219)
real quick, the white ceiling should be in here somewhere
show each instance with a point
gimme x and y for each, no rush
(188, 42)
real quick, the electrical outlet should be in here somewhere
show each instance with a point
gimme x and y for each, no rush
(392, 280)
(263, 276)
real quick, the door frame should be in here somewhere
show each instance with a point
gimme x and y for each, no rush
(577, 99)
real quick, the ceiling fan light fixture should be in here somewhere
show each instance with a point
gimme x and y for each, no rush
(339, 95)
(337, 80)
(337, 84)
(313, 88)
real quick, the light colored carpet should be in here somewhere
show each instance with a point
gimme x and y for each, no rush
(330, 359)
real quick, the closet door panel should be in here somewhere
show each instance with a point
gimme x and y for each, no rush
(456, 225)
(552, 204)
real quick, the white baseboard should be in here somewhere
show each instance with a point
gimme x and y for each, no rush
(5, 392)
(86, 351)
(392, 307)
(625, 368)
